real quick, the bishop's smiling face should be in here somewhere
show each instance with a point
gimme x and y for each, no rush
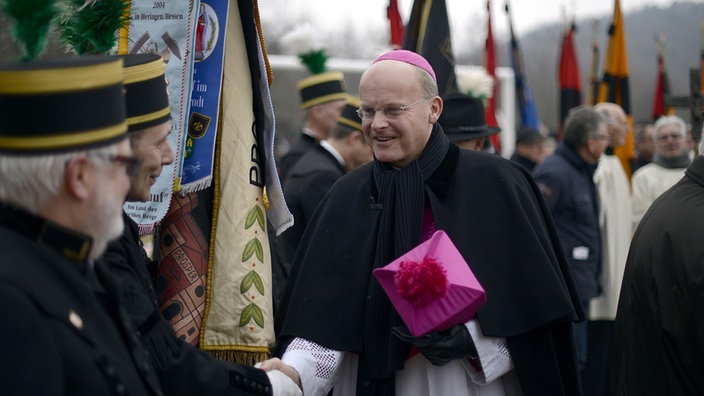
(397, 139)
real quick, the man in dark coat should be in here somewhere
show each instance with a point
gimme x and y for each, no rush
(566, 181)
(530, 148)
(657, 346)
(182, 368)
(313, 175)
(322, 100)
(64, 159)
(338, 326)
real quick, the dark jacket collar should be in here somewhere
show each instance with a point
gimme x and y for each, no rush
(68, 243)
(575, 160)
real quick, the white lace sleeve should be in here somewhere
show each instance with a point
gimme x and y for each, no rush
(317, 366)
(494, 359)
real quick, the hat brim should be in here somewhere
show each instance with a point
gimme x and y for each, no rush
(456, 135)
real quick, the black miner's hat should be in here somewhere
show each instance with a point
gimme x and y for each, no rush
(146, 96)
(61, 104)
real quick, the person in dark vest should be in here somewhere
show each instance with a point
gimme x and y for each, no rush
(182, 368)
(338, 329)
(65, 163)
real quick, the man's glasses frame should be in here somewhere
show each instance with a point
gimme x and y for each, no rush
(390, 112)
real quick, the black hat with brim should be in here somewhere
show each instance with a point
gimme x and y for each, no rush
(61, 105)
(463, 118)
(146, 96)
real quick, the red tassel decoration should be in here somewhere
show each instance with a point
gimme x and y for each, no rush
(421, 283)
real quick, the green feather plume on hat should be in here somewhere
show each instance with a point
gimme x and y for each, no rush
(303, 42)
(32, 19)
(91, 26)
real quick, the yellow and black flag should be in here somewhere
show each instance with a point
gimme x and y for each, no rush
(614, 86)
(428, 34)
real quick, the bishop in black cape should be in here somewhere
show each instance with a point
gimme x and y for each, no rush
(494, 213)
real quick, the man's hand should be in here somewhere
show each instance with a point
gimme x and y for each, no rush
(440, 347)
(285, 380)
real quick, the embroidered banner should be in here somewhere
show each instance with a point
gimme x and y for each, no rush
(165, 28)
(238, 320)
(214, 278)
(205, 97)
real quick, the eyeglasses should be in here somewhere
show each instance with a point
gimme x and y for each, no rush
(602, 137)
(675, 136)
(390, 112)
(131, 164)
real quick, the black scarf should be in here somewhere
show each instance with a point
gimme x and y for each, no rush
(401, 198)
(678, 161)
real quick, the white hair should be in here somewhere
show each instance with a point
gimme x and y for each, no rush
(30, 182)
(668, 120)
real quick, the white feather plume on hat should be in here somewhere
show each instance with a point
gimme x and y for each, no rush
(477, 83)
(302, 39)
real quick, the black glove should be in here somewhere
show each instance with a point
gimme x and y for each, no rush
(440, 347)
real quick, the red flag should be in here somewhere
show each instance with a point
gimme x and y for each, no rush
(593, 76)
(395, 23)
(701, 59)
(490, 65)
(570, 81)
(662, 87)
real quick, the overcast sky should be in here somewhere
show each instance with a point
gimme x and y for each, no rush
(526, 14)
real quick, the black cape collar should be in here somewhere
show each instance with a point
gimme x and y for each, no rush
(68, 243)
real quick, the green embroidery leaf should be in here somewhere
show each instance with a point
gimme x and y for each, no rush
(254, 214)
(252, 311)
(247, 282)
(252, 278)
(258, 282)
(253, 247)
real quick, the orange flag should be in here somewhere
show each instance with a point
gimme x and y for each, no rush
(615, 86)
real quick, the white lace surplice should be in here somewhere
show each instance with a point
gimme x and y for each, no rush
(321, 369)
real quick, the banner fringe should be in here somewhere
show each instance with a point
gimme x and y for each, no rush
(249, 358)
(196, 186)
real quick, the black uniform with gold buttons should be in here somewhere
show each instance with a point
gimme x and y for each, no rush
(62, 331)
(182, 368)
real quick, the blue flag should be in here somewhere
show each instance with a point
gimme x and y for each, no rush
(526, 104)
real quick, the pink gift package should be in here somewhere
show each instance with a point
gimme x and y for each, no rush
(431, 286)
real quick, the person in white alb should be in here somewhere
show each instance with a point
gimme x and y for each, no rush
(669, 163)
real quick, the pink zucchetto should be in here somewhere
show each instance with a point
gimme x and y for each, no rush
(409, 57)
